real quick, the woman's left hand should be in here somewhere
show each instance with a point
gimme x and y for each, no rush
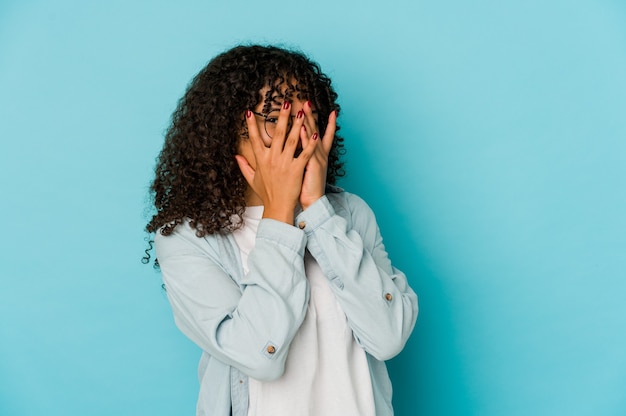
(314, 183)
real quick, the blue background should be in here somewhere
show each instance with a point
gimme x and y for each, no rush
(488, 136)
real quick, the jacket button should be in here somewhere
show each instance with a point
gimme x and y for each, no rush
(301, 225)
(388, 296)
(271, 349)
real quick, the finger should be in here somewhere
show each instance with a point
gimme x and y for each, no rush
(295, 133)
(329, 134)
(310, 118)
(253, 133)
(304, 137)
(280, 134)
(246, 170)
(308, 150)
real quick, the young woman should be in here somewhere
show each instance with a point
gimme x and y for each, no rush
(280, 277)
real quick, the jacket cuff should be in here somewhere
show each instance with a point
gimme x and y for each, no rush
(283, 234)
(315, 215)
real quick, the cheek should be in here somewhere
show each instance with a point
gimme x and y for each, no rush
(245, 150)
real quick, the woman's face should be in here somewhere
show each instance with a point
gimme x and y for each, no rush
(266, 115)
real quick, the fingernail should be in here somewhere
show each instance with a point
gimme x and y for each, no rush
(314, 136)
(248, 113)
(309, 104)
(286, 105)
(300, 114)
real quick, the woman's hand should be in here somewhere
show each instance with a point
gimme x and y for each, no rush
(314, 183)
(275, 175)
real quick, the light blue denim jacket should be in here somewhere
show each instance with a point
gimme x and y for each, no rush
(234, 317)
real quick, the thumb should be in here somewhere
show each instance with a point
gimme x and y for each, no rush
(245, 168)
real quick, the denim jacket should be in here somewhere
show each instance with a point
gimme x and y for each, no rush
(244, 323)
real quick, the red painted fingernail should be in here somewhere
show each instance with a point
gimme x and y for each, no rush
(248, 113)
(309, 104)
(286, 105)
(300, 114)
(314, 136)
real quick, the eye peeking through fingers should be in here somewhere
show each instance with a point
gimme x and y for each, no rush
(271, 121)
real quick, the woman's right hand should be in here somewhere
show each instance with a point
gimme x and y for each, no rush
(275, 175)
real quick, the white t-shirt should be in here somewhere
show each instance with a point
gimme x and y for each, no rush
(326, 372)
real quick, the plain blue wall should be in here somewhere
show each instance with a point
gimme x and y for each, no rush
(489, 137)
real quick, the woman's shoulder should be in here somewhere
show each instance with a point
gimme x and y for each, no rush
(349, 205)
(339, 196)
(185, 237)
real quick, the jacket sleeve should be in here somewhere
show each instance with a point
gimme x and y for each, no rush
(380, 306)
(249, 329)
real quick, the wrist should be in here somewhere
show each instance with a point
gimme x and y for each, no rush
(310, 201)
(283, 215)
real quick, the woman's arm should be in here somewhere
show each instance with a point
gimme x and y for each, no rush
(250, 329)
(380, 306)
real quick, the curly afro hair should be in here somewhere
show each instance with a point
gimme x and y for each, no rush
(197, 177)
